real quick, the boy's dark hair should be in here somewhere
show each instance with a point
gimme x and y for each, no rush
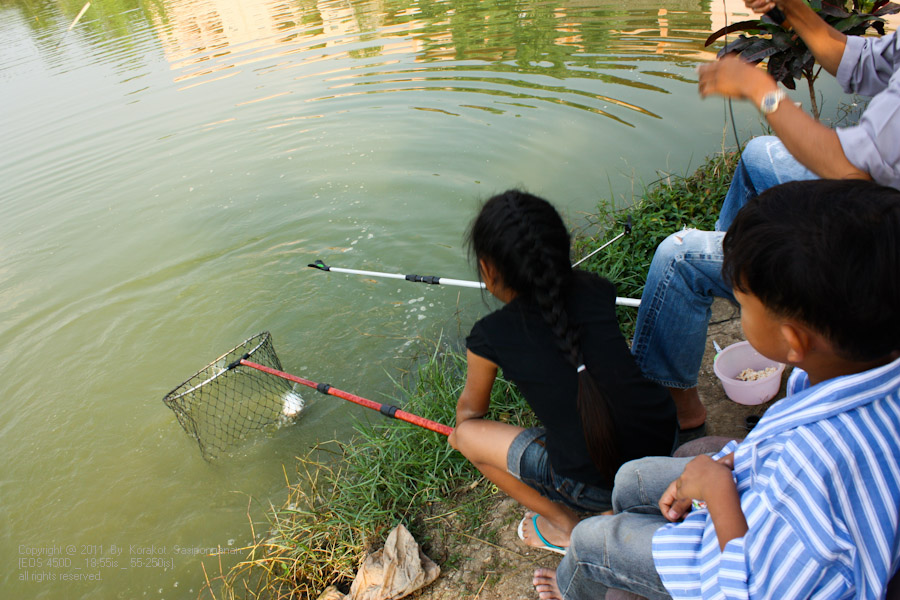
(526, 241)
(826, 253)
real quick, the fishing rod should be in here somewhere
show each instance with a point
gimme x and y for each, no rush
(436, 280)
(323, 388)
(74, 23)
(244, 392)
(627, 231)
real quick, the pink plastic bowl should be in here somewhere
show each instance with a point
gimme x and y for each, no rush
(737, 357)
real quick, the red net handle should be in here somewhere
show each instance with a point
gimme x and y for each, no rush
(385, 409)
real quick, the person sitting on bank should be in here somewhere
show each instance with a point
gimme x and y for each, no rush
(807, 505)
(557, 338)
(685, 274)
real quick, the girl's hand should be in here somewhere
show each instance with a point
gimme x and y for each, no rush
(699, 480)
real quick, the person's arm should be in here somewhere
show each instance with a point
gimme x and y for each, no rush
(709, 481)
(824, 41)
(814, 145)
(475, 399)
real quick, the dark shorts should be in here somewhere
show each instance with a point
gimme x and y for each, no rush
(528, 462)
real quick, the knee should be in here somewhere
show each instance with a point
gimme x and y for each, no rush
(684, 248)
(670, 250)
(588, 538)
(637, 483)
(627, 481)
(464, 436)
(759, 150)
(627, 475)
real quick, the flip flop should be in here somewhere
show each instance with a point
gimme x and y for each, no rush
(546, 545)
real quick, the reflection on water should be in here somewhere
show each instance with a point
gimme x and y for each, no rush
(168, 169)
(504, 49)
(499, 43)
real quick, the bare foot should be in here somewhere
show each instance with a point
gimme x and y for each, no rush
(544, 582)
(551, 533)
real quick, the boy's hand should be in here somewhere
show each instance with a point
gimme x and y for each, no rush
(701, 478)
(727, 460)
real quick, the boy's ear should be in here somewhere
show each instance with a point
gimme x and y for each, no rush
(798, 341)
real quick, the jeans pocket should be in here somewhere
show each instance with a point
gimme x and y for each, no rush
(581, 496)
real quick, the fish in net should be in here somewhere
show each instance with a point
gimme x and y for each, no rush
(225, 403)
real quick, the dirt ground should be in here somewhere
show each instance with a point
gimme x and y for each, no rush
(491, 563)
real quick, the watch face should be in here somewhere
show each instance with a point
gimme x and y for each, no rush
(770, 101)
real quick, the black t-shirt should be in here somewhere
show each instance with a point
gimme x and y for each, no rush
(517, 339)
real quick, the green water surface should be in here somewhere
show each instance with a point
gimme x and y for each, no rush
(169, 167)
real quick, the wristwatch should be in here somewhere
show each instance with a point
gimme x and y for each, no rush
(771, 100)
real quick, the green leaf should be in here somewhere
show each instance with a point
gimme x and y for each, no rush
(788, 57)
(755, 26)
(737, 45)
(759, 50)
(833, 11)
(783, 40)
(888, 8)
(850, 22)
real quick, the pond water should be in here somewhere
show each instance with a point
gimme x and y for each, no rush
(170, 167)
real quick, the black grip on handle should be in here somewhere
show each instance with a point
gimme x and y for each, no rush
(237, 363)
(388, 410)
(776, 15)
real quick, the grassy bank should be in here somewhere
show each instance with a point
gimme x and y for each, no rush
(667, 205)
(349, 495)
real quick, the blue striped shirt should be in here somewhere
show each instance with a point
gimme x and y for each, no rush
(819, 480)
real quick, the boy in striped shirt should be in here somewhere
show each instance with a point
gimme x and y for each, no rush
(808, 505)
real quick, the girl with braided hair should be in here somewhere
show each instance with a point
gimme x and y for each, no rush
(558, 340)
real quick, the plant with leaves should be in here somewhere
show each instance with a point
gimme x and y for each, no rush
(787, 54)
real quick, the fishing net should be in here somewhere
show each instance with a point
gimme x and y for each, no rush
(222, 405)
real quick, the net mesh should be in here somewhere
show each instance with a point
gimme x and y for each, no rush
(221, 407)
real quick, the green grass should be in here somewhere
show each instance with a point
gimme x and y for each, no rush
(665, 207)
(349, 495)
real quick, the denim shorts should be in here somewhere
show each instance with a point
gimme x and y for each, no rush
(528, 462)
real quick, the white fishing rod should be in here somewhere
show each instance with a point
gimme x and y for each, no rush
(436, 280)
(74, 23)
(433, 280)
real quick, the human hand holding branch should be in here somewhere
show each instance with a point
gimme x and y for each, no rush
(814, 145)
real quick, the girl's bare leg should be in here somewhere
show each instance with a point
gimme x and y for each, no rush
(486, 444)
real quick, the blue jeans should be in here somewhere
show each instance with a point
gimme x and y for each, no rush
(686, 273)
(527, 461)
(765, 163)
(615, 551)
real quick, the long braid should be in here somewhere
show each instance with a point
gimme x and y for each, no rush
(548, 270)
(526, 241)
